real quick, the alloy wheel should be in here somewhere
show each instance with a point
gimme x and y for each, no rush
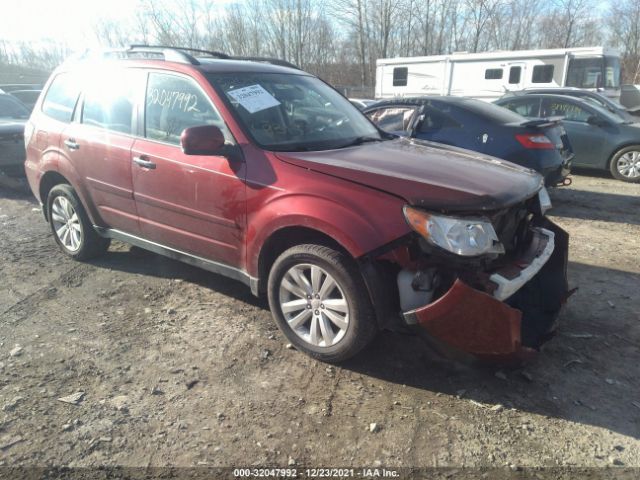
(314, 305)
(628, 165)
(66, 224)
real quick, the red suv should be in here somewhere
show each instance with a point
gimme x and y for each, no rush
(267, 175)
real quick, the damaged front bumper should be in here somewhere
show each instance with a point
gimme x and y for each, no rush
(513, 316)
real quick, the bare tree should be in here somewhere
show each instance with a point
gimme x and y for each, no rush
(624, 26)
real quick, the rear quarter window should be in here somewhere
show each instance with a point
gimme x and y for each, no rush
(61, 98)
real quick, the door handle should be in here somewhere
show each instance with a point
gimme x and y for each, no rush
(143, 161)
(71, 144)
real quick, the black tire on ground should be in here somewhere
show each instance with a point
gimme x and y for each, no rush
(362, 325)
(613, 164)
(91, 244)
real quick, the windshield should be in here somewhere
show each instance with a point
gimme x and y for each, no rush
(287, 112)
(12, 108)
(611, 72)
(585, 72)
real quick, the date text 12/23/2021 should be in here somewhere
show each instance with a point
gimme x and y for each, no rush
(373, 472)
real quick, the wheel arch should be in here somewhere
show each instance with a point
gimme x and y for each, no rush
(613, 169)
(286, 237)
(616, 149)
(49, 180)
(53, 177)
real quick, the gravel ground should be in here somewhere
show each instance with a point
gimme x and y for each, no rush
(181, 367)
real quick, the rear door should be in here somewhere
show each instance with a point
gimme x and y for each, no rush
(99, 142)
(52, 119)
(588, 141)
(193, 203)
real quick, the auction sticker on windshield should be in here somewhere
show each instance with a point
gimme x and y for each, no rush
(254, 98)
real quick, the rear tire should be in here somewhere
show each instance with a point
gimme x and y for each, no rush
(319, 300)
(70, 225)
(625, 164)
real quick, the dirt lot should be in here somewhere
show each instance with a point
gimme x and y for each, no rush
(181, 367)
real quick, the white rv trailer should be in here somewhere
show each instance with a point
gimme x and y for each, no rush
(488, 76)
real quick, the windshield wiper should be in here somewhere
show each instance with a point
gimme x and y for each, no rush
(359, 141)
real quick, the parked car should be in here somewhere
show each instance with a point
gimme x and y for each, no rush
(27, 97)
(599, 138)
(231, 166)
(13, 115)
(362, 103)
(627, 114)
(482, 127)
(630, 96)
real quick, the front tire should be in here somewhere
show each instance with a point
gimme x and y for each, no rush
(70, 224)
(625, 164)
(319, 300)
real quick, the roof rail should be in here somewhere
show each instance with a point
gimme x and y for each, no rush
(168, 54)
(211, 53)
(273, 61)
(174, 54)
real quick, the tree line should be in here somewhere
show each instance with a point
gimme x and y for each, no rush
(340, 40)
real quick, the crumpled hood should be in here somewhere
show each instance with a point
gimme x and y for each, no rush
(427, 174)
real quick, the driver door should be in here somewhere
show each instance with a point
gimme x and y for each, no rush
(193, 203)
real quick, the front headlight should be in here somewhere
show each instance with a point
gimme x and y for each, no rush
(462, 236)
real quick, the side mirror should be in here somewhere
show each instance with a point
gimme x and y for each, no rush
(202, 140)
(597, 121)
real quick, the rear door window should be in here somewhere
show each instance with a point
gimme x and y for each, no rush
(109, 102)
(174, 103)
(61, 98)
(393, 119)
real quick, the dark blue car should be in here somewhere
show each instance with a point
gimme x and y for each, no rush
(475, 125)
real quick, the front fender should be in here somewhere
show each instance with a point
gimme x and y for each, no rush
(355, 230)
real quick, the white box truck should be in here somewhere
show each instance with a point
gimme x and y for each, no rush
(488, 76)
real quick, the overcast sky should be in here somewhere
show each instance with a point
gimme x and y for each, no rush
(71, 21)
(68, 21)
